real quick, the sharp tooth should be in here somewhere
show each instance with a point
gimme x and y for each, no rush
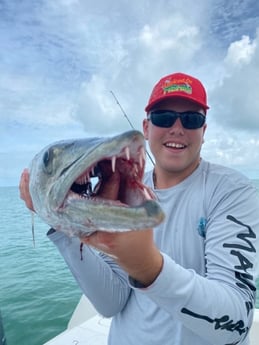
(89, 189)
(147, 195)
(135, 170)
(140, 162)
(142, 157)
(92, 171)
(113, 163)
(127, 153)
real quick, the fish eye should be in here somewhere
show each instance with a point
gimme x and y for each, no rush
(47, 160)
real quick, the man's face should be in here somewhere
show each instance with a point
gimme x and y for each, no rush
(176, 149)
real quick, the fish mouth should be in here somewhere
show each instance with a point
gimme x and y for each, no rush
(128, 164)
(81, 186)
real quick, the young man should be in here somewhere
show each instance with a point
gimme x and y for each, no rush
(191, 280)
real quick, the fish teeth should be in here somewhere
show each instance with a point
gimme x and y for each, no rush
(142, 157)
(127, 152)
(113, 160)
(147, 195)
(84, 179)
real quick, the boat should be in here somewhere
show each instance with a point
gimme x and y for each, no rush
(86, 326)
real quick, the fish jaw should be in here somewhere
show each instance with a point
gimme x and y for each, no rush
(110, 218)
(61, 182)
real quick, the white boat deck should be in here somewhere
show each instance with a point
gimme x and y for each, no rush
(91, 332)
(87, 327)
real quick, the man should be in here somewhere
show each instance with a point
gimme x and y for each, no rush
(191, 280)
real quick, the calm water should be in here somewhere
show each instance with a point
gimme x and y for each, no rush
(37, 292)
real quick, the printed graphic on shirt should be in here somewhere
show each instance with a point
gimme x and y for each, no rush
(244, 280)
(221, 323)
(202, 227)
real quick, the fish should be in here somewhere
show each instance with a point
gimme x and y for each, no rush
(67, 177)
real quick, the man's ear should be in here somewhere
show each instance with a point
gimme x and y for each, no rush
(204, 130)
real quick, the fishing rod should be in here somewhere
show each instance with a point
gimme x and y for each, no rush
(130, 123)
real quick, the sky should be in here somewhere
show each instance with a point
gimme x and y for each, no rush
(61, 59)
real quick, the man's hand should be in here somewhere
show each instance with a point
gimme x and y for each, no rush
(134, 251)
(24, 189)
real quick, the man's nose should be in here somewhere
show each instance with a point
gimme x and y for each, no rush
(177, 126)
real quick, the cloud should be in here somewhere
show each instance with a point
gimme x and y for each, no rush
(122, 46)
(184, 35)
(241, 52)
(60, 60)
(236, 95)
(137, 62)
(231, 148)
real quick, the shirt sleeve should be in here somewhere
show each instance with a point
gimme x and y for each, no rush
(103, 282)
(218, 306)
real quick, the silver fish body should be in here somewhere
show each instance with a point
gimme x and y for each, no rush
(61, 178)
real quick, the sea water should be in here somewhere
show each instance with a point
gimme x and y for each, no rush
(37, 291)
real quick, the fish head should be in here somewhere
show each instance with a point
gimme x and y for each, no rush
(61, 185)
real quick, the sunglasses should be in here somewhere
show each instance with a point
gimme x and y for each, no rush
(166, 118)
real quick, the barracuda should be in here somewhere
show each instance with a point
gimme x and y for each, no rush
(61, 185)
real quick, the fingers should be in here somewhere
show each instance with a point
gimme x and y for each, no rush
(24, 189)
(100, 241)
(120, 244)
(134, 251)
(98, 238)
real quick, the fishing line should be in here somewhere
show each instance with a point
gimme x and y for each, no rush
(32, 228)
(130, 123)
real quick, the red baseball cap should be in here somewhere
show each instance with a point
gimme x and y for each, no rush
(178, 85)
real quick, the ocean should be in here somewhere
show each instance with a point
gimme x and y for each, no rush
(37, 291)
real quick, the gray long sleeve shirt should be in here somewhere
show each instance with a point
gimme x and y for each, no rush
(205, 293)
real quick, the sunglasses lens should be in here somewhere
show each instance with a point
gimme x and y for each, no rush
(166, 119)
(192, 120)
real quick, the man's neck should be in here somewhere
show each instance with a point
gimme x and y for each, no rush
(163, 179)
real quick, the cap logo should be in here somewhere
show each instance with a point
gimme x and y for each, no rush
(178, 85)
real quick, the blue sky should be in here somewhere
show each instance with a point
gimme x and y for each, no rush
(60, 59)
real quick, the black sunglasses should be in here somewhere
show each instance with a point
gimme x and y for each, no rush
(166, 118)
